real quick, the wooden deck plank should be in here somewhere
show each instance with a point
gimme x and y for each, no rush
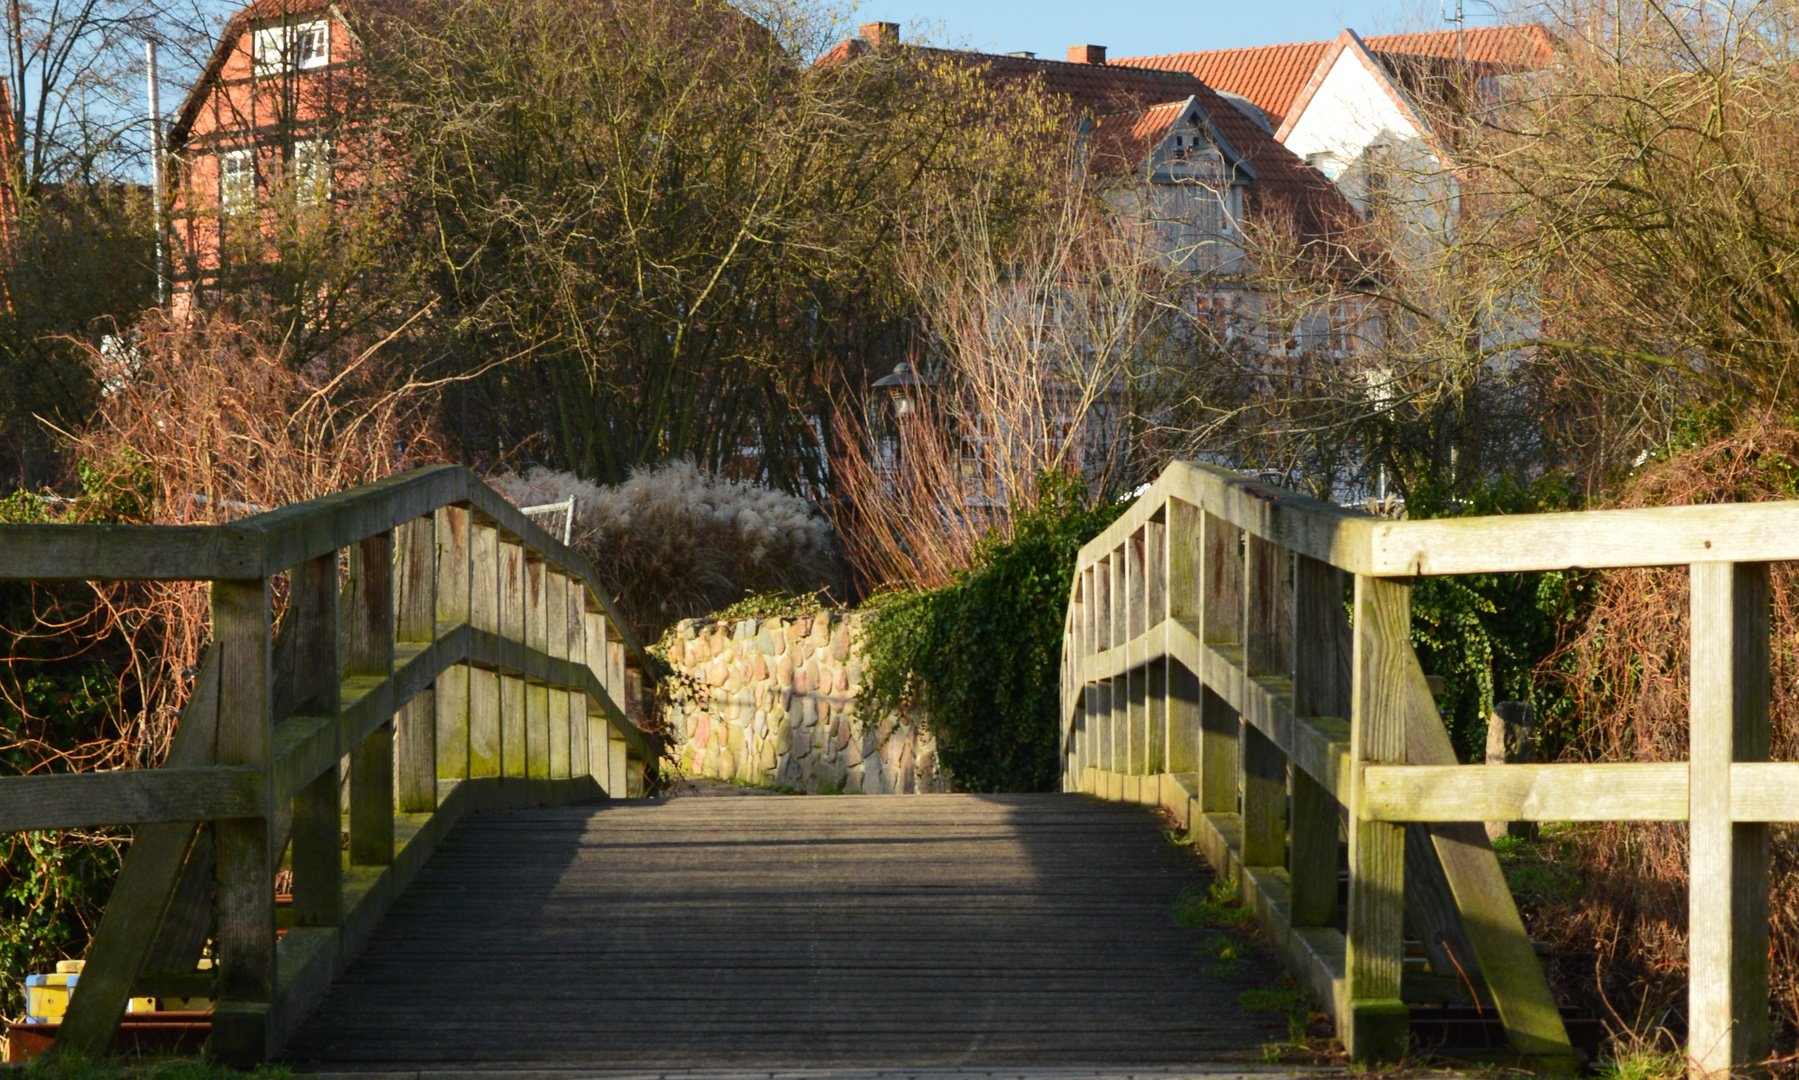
(793, 932)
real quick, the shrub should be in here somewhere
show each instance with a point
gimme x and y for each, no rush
(674, 541)
(983, 654)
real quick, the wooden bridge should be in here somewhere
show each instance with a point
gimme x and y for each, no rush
(452, 657)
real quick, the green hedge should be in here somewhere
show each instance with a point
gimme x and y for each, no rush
(983, 655)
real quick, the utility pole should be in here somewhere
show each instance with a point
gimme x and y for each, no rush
(162, 276)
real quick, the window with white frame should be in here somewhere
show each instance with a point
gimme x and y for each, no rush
(292, 48)
(237, 180)
(312, 171)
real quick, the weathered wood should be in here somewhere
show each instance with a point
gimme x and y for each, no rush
(537, 695)
(1264, 779)
(127, 797)
(317, 857)
(1490, 920)
(187, 924)
(1375, 1027)
(369, 652)
(1221, 581)
(1156, 679)
(245, 939)
(1727, 949)
(1633, 791)
(451, 693)
(1658, 536)
(514, 754)
(1431, 911)
(1181, 595)
(1155, 571)
(484, 685)
(415, 722)
(555, 605)
(127, 553)
(1018, 931)
(1312, 850)
(146, 886)
(577, 699)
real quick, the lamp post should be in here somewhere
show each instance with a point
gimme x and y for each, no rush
(899, 391)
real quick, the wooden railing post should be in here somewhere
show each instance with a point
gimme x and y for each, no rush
(537, 694)
(1376, 1025)
(599, 729)
(1727, 1013)
(555, 614)
(1180, 593)
(1220, 623)
(1136, 593)
(575, 618)
(514, 752)
(245, 937)
(415, 734)
(318, 844)
(484, 742)
(453, 587)
(1118, 758)
(1265, 611)
(369, 650)
(1319, 623)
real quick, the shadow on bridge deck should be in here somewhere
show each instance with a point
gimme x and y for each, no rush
(795, 932)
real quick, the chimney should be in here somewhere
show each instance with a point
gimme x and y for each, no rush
(880, 34)
(1086, 54)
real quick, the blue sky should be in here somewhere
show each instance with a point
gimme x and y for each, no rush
(1138, 27)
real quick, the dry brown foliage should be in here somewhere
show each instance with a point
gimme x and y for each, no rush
(210, 422)
(1621, 937)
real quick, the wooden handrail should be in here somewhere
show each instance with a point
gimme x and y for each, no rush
(1209, 665)
(467, 654)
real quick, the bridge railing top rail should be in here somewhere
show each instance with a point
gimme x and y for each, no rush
(1215, 658)
(1362, 543)
(446, 647)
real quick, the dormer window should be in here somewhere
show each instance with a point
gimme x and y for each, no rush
(300, 47)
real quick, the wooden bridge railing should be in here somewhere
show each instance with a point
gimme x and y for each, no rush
(450, 651)
(1209, 665)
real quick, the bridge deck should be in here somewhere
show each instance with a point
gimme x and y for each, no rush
(794, 932)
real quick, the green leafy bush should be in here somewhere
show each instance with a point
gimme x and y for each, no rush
(983, 655)
(1488, 635)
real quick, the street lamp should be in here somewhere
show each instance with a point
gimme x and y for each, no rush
(899, 389)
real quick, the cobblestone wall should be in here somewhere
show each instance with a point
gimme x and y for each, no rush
(773, 701)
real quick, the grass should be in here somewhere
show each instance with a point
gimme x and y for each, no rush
(80, 1067)
(1642, 1063)
(1216, 907)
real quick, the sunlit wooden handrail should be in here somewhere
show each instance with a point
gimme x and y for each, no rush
(454, 653)
(1210, 665)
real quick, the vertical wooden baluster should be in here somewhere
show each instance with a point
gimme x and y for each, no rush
(245, 941)
(576, 618)
(1220, 624)
(555, 614)
(597, 724)
(1102, 640)
(1181, 596)
(1727, 1012)
(484, 743)
(1155, 606)
(1376, 1027)
(318, 851)
(1318, 621)
(369, 650)
(1264, 765)
(514, 752)
(415, 734)
(1136, 592)
(1120, 697)
(537, 694)
(453, 587)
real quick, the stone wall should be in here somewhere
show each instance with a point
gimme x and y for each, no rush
(773, 702)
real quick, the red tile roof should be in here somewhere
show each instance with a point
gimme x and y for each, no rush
(1145, 97)
(1272, 76)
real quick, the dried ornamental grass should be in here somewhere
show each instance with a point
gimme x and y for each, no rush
(674, 541)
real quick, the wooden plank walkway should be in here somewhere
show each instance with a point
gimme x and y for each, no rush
(793, 932)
